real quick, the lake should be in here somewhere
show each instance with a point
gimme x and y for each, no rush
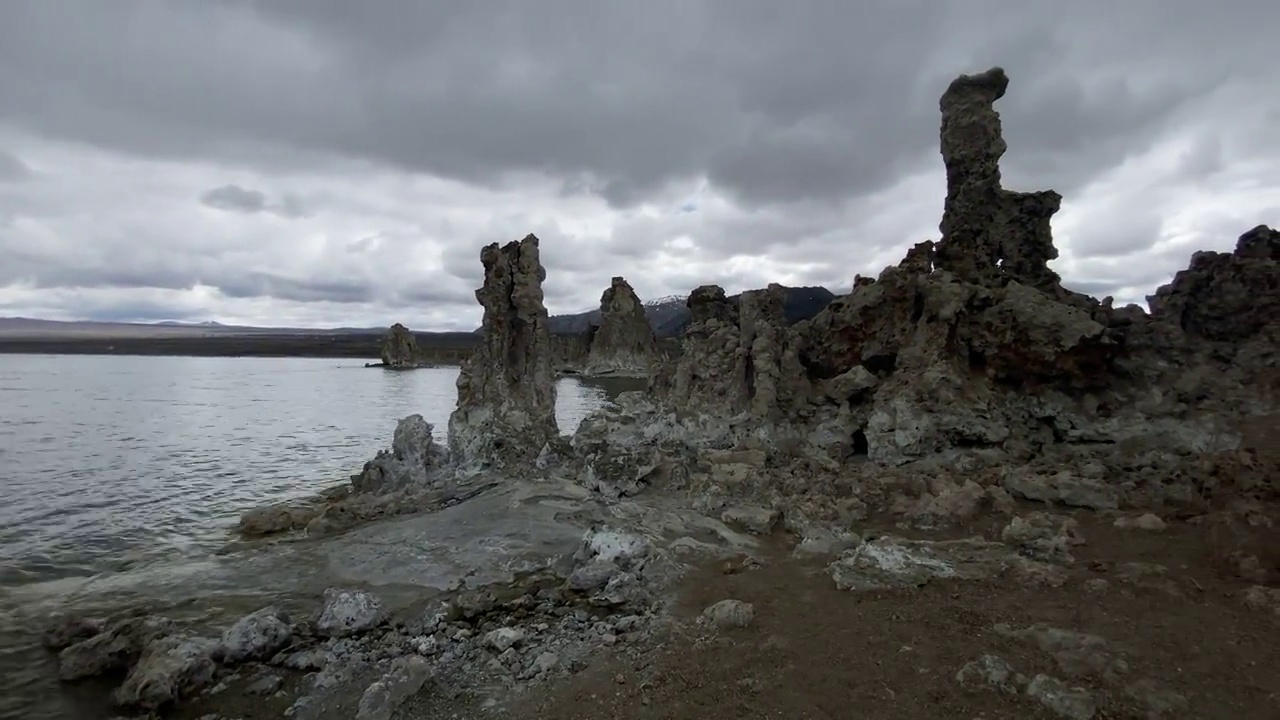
(111, 461)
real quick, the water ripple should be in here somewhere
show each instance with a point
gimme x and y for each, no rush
(111, 461)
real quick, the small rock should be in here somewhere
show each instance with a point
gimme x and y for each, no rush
(349, 612)
(729, 614)
(1148, 522)
(503, 638)
(592, 576)
(1073, 703)
(256, 635)
(545, 662)
(989, 670)
(112, 650)
(265, 685)
(1260, 597)
(312, 659)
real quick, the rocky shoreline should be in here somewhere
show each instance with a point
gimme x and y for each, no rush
(963, 386)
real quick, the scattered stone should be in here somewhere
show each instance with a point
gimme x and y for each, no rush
(1043, 537)
(594, 575)
(1259, 597)
(728, 614)
(1073, 703)
(545, 663)
(260, 634)
(349, 612)
(305, 660)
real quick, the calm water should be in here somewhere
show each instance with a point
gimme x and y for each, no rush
(109, 461)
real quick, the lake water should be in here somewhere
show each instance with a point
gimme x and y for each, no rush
(111, 461)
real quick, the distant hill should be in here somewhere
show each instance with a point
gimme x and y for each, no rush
(20, 328)
(669, 316)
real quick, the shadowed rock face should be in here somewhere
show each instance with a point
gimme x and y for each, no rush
(987, 231)
(624, 344)
(506, 389)
(399, 348)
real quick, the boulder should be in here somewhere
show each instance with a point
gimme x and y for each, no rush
(257, 635)
(170, 669)
(349, 612)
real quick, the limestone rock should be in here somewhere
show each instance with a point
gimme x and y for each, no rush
(277, 518)
(755, 520)
(405, 678)
(413, 458)
(257, 635)
(889, 562)
(349, 612)
(399, 348)
(624, 343)
(170, 669)
(506, 389)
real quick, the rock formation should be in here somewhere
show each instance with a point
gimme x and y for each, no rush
(988, 231)
(399, 348)
(624, 343)
(414, 456)
(506, 389)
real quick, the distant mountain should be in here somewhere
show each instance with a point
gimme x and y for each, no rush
(20, 327)
(669, 316)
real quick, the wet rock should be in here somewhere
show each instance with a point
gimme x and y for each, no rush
(115, 649)
(277, 518)
(170, 669)
(755, 520)
(381, 699)
(728, 614)
(399, 348)
(1073, 703)
(1148, 522)
(889, 562)
(257, 635)
(506, 388)
(64, 631)
(413, 459)
(349, 612)
(624, 343)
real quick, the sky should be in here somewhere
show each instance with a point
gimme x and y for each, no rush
(324, 163)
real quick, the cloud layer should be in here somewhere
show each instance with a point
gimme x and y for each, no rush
(324, 163)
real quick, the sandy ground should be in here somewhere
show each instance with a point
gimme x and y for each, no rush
(813, 651)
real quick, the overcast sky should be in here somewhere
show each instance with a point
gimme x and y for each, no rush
(329, 162)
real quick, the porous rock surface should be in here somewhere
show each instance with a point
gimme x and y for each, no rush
(506, 389)
(399, 348)
(624, 343)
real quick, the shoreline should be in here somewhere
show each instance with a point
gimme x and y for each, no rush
(355, 346)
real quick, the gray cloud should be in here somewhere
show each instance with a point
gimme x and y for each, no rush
(12, 168)
(233, 198)
(676, 142)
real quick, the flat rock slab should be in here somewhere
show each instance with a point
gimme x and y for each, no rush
(890, 562)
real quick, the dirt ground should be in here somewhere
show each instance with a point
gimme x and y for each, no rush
(813, 651)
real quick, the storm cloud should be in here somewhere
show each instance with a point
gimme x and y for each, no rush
(334, 163)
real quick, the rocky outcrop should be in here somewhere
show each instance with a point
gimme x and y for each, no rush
(400, 348)
(988, 231)
(506, 389)
(413, 458)
(624, 343)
